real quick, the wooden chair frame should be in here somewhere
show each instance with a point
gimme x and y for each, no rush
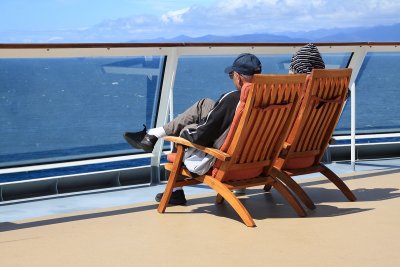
(254, 141)
(319, 113)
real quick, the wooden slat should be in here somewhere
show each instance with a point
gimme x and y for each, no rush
(273, 138)
(327, 113)
(314, 127)
(268, 132)
(330, 110)
(305, 110)
(260, 138)
(272, 126)
(257, 181)
(248, 136)
(254, 122)
(263, 136)
(275, 127)
(301, 154)
(249, 165)
(264, 121)
(336, 110)
(318, 114)
(255, 119)
(238, 139)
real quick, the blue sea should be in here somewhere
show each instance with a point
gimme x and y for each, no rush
(53, 110)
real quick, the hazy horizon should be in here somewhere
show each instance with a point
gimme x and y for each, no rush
(49, 21)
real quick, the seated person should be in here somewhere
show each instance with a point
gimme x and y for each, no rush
(205, 123)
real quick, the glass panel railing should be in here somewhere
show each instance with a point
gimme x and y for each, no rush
(377, 110)
(377, 85)
(336, 60)
(57, 109)
(200, 77)
(73, 107)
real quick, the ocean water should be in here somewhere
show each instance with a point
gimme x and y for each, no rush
(63, 109)
(378, 87)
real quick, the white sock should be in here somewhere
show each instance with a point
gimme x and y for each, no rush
(176, 188)
(157, 132)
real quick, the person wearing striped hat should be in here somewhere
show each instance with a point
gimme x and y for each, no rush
(306, 59)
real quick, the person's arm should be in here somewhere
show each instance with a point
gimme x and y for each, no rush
(217, 121)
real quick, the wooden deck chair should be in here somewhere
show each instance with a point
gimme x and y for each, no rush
(260, 126)
(312, 131)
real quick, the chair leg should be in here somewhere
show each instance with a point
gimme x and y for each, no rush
(227, 194)
(219, 199)
(166, 196)
(285, 192)
(267, 187)
(295, 187)
(171, 180)
(338, 182)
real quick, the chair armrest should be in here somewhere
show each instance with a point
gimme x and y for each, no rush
(211, 151)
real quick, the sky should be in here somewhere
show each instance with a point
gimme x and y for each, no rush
(25, 21)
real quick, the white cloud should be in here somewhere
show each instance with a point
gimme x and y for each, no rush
(294, 15)
(236, 17)
(174, 16)
(230, 7)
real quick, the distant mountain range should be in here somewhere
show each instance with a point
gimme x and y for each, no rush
(357, 34)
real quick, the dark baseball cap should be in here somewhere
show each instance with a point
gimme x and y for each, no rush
(246, 64)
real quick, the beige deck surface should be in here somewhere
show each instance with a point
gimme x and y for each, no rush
(337, 233)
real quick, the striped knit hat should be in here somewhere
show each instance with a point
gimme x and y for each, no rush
(306, 59)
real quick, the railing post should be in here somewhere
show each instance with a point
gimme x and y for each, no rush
(355, 63)
(353, 126)
(166, 89)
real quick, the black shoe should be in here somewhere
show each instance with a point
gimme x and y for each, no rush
(177, 197)
(148, 142)
(141, 140)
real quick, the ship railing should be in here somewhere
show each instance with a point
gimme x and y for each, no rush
(171, 52)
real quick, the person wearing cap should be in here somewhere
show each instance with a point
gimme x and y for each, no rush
(205, 123)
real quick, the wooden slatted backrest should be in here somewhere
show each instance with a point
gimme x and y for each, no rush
(318, 115)
(270, 102)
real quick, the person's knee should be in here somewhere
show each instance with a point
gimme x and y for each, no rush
(206, 102)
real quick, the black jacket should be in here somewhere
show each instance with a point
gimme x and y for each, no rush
(216, 122)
